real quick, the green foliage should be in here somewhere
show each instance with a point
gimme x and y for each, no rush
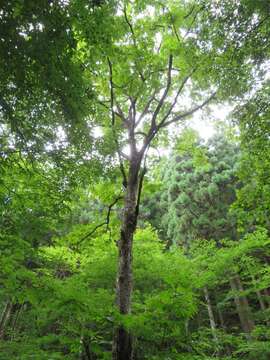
(253, 206)
(58, 250)
(199, 187)
(43, 84)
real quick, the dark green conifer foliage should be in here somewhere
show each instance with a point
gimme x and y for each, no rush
(199, 187)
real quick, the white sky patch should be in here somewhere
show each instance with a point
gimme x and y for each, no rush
(206, 124)
(97, 132)
(158, 41)
(60, 141)
(149, 11)
(204, 127)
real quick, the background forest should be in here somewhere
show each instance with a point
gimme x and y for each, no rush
(123, 233)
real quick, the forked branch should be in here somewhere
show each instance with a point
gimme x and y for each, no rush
(189, 112)
(176, 97)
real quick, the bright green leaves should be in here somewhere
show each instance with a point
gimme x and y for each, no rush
(252, 204)
(188, 144)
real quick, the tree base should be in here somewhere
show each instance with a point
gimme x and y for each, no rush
(123, 345)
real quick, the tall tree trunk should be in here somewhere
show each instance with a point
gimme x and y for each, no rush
(261, 301)
(5, 317)
(210, 314)
(260, 297)
(17, 310)
(123, 349)
(242, 305)
(220, 315)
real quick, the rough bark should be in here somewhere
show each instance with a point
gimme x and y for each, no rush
(242, 305)
(123, 349)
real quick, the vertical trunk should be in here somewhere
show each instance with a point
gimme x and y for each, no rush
(221, 319)
(260, 297)
(187, 327)
(266, 292)
(220, 315)
(87, 354)
(17, 310)
(3, 315)
(210, 314)
(261, 301)
(263, 305)
(242, 305)
(5, 318)
(222, 325)
(123, 349)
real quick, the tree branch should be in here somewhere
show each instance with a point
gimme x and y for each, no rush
(189, 112)
(133, 38)
(125, 156)
(140, 133)
(130, 27)
(111, 91)
(120, 112)
(174, 28)
(176, 97)
(146, 109)
(153, 128)
(190, 12)
(143, 172)
(122, 168)
(106, 222)
(164, 95)
(133, 110)
(109, 108)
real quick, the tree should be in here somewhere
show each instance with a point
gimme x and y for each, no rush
(199, 189)
(140, 109)
(200, 186)
(148, 62)
(146, 83)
